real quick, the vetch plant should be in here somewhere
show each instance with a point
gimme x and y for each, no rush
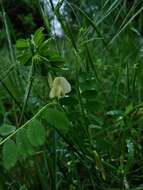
(81, 134)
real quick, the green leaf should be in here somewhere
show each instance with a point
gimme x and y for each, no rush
(56, 60)
(7, 129)
(25, 58)
(36, 133)
(39, 36)
(9, 154)
(44, 48)
(56, 118)
(23, 144)
(22, 44)
(99, 164)
(129, 109)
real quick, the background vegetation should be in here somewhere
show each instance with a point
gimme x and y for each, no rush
(92, 137)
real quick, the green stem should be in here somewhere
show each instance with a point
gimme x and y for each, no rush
(16, 80)
(8, 34)
(28, 89)
(25, 124)
(91, 63)
(54, 177)
(29, 85)
(44, 16)
(82, 109)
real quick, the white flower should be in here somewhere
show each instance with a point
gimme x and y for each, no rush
(60, 87)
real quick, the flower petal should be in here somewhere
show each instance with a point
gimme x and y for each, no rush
(60, 87)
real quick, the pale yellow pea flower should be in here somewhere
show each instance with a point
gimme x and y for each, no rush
(60, 87)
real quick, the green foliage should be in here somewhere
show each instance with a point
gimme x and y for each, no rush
(38, 37)
(6, 129)
(32, 134)
(36, 133)
(22, 44)
(9, 154)
(36, 50)
(24, 146)
(57, 119)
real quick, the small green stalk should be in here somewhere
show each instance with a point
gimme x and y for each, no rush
(54, 160)
(54, 153)
(8, 34)
(27, 92)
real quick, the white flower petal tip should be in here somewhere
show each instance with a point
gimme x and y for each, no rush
(60, 87)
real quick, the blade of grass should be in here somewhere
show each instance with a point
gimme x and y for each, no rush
(124, 27)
